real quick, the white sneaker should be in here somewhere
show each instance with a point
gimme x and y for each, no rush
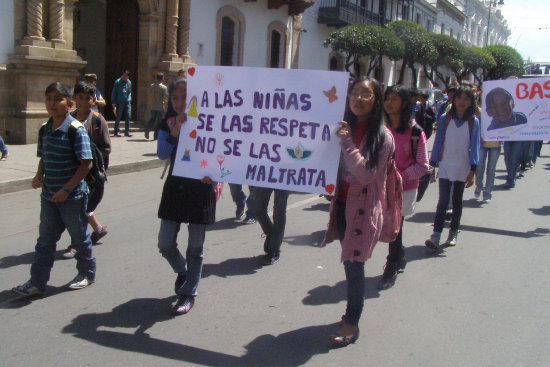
(79, 282)
(27, 289)
(477, 193)
(69, 253)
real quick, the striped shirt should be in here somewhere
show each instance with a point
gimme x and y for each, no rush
(60, 159)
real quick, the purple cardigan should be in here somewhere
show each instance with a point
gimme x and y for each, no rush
(363, 207)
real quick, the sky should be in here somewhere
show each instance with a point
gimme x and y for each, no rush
(525, 17)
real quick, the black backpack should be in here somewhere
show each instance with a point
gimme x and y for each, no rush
(97, 174)
(424, 181)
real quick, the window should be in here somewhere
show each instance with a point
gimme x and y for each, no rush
(336, 61)
(276, 45)
(418, 18)
(230, 35)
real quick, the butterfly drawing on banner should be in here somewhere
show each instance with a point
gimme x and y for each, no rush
(331, 94)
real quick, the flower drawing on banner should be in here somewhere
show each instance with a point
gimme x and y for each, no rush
(219, 79)
(331, 94)
(224, 172)
(299, 152)
(204, 163)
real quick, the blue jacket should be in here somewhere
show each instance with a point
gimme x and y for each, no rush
(440, 136)
(122, 91)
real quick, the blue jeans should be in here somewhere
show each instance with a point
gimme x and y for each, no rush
(239, 198)
(123, 109)
(54, 219)
(512, 158)
(274, 231)
(489, 157)
(444, 196)
(153, 124)
(537, 146)
(168, 247)
(3, 148)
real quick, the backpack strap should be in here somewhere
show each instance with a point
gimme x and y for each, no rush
(415, 136)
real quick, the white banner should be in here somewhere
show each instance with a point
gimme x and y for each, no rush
(263, 127)
(516, 109)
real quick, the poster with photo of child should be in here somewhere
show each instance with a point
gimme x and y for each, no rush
(263, 127)
(516, 109)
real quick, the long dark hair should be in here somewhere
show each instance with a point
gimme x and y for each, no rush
(406, 106)
(375, 126)
(170, 112)
(470, 111)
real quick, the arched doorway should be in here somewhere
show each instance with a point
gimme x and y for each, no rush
(121, 44)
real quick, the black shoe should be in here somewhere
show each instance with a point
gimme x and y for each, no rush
(184, 305)
(147, 135)
(339, 341)
(128, 135)
(239, 213)
(96, 236)
(389, 276)
(116, 135)
(179, 282)
(270, 259)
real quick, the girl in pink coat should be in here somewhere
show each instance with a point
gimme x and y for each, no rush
(356, 210)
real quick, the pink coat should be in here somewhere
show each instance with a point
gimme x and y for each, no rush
(363, 207)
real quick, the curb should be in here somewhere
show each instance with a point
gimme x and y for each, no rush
(25, 183)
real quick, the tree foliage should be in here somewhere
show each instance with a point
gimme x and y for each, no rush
(418, 46)
(474, 59)
(359, 40)
(508, 63)
(449, 53)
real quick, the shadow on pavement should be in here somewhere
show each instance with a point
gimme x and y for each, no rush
(326, 294)
(545, 210)
(319, 206)
(292, 348)
(10, 300)
(312, 239)
(227, 223)
(472, 203)
(233, 267)
(23, 259)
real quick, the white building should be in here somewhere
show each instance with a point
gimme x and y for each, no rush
(479, 20)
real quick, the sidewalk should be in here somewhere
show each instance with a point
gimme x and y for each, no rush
(128, 155)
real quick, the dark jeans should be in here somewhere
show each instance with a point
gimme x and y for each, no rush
(443, 202)
(239, 197)
(123, 109)
(54, 219)
(274, 231)
(537, 147)
(153, 124)
(512, 157)
(396, 251)
(355, 274)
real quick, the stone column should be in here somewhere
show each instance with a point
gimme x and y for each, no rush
(171, 34)
(183, 30)
(56, 18)
(34, 20)
(296, 32)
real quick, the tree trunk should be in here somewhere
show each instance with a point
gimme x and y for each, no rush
(429, 75)
(414, 75)
(402, 72)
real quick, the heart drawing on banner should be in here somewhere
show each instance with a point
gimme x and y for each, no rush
(193, 134)
(191, 71)
(329, 188)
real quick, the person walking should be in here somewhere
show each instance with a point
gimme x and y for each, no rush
(158, 97)
(356, 211)
(3, 150)
(121, 99)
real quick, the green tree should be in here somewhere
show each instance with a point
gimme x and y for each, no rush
(508, 63)
(474, 59)
(449, 54)
(359, 40)
(418, 46)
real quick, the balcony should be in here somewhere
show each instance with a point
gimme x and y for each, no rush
(339, 13)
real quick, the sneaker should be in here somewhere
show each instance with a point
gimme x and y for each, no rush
(4, 156)
(449, 214)
(508, 186)
(69, 253)
(477, 192)
(486, 201)
(183, 305)
(452, 239)
(270, 260)
(27, 289)
(433, 241)
(128, 135)
(79, 282)
(96, 236)
(249, 220)
(239, 213)
(179, 282)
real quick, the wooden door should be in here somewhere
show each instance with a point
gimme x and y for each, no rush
(122, 40)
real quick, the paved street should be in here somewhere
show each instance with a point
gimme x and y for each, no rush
(485, 302)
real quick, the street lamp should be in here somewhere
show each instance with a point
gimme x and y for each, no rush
(491, 4)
